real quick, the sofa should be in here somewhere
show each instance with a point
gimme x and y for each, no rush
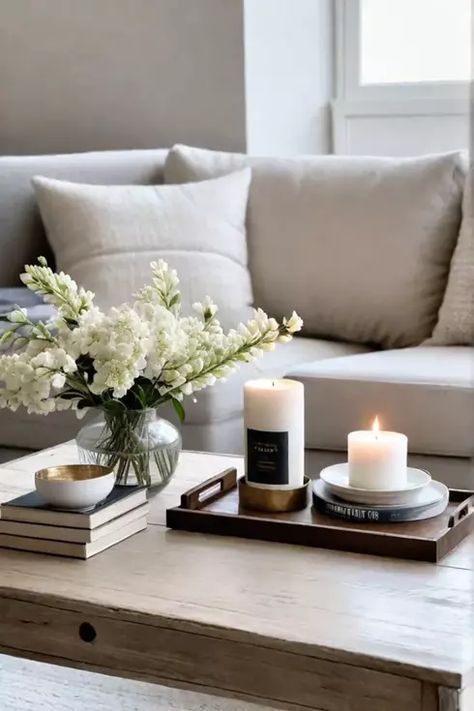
(352, 368)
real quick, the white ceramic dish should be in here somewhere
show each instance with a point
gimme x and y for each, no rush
(337, 479)
(74, 486)
(430, 495)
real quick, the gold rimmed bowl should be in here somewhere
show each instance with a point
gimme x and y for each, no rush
(74, 486)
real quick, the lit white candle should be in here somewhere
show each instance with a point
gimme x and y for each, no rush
(274, 433)
(377, 459)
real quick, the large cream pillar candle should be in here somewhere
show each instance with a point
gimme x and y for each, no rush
(274, 433)
(377, 459)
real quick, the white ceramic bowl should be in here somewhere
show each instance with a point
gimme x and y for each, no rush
(74, 486)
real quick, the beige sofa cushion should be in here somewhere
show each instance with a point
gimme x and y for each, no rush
(456, 316)
(106, 236)
(360, 247)
(21, 231)
(425, 392)
(213, 407)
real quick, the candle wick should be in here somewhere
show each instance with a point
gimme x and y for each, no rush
(273, 383)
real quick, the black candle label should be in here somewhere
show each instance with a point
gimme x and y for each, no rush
(267, 457)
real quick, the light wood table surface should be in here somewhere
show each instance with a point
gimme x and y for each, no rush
(286, 626)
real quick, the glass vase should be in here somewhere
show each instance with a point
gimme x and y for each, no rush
(140, 446)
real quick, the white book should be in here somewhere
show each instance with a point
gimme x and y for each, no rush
(71, 535)
(73, 550)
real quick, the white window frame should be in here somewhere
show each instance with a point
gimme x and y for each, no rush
(354, 99)
(348, 68)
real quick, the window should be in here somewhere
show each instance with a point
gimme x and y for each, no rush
(423, 40)
(403, 75)
(414, 41)
(394, 48)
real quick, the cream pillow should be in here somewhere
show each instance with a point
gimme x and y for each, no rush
(456, 316)
(359, 246)
(106, 236)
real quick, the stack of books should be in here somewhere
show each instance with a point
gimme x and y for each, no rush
(27, 523)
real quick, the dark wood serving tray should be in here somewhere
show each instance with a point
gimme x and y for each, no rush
(213, 507)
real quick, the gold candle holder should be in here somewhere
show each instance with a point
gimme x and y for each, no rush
(273, 500)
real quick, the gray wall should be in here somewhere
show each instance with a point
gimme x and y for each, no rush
(101, 74)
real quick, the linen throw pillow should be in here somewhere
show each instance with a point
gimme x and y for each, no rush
(359, 246)
(106, 236)
(456, 316)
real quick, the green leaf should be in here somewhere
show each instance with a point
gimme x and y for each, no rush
(139, 394)
(179, 409)
(6, 336)
(70, 395)
(115, 407)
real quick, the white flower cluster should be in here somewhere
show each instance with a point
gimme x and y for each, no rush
(34, 381)
(57, 289)
(141, 354)
(116, 342)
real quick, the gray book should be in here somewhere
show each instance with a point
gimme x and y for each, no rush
(30, 508)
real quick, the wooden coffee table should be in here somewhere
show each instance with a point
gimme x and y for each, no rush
(292, 627)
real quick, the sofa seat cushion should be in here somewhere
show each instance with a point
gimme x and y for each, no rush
(361, 244)
(425, 392)
(225, 400)
(214, 405)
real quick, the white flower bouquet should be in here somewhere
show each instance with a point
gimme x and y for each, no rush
(127, 361)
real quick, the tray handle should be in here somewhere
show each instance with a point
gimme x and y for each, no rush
(209, 490)
(461, 511)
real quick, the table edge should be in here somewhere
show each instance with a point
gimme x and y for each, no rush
(455, 678)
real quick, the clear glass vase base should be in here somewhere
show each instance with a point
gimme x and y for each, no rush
(142, 448)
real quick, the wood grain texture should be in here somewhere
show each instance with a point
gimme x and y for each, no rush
(462, 556)
(229, 512)
(429, 697)
(247, 701)
(321, 608)
(31, 686)
(172, 656)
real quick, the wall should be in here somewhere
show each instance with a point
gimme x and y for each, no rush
(289, 75)
(400, 129)
(101, 74)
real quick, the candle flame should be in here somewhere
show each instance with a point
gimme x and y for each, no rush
(376, 426)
